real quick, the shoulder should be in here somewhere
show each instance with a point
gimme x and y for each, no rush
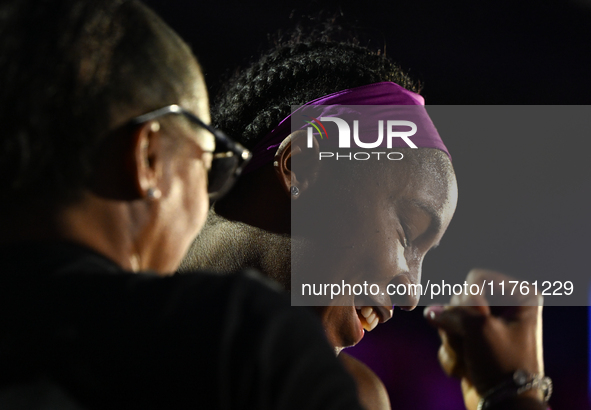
(372, 392)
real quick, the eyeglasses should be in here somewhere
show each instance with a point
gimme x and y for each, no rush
(229, 157)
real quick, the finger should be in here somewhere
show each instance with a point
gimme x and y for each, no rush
(471, 396)
(469, 299)
(456, 319)
(504, 290)
(451, 362)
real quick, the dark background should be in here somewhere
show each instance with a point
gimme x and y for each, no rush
(521, 208)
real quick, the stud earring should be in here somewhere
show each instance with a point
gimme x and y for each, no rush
(295, 191)
(153, 193)
(155, 127)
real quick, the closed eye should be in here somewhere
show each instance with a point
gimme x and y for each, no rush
(405, 240)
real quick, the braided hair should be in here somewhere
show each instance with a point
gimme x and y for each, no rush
(297, 71)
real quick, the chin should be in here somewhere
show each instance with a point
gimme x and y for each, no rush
(342, 325)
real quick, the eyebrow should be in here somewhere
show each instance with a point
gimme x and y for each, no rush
(436, 224)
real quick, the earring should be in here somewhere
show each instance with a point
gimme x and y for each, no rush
(155, 126)
(153, 193)
(295, 191)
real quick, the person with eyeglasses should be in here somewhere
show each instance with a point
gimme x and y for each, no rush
(107, 167)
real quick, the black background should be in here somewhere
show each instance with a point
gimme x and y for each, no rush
(520, 209)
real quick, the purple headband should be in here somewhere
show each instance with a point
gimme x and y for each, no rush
(378, 94)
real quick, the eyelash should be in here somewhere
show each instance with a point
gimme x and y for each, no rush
(405, 240)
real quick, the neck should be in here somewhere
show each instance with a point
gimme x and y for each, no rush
(226, 245)
(222, 246)
(249, 228)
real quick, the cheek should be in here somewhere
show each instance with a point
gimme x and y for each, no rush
(415, 264)
(383, 254)
(188, 201)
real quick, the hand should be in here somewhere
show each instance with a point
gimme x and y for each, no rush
(484, 345)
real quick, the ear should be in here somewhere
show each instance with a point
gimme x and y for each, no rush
(295, 148)
(146, 159)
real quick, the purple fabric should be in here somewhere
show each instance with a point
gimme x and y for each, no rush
(378, 94)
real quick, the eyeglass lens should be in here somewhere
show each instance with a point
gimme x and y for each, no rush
(223, 169)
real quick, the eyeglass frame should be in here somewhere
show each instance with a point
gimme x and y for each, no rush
(243, 154)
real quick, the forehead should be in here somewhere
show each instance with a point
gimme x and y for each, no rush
(422, 182)
(430, 182)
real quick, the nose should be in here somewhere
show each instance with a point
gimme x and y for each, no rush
(407, 292)
(403, 287)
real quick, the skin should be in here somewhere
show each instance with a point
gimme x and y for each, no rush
(370, 389)
(479, 341)
(257, 234)
(480, 346)
(395, 215)
(115, 216)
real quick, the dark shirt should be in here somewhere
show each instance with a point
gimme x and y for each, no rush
(119, 340)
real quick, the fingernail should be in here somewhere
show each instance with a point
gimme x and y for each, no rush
(432, 312)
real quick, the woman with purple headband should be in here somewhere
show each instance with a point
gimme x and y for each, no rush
(398, 218)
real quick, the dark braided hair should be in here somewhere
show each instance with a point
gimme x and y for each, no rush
(70, 69)
(294, 72)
